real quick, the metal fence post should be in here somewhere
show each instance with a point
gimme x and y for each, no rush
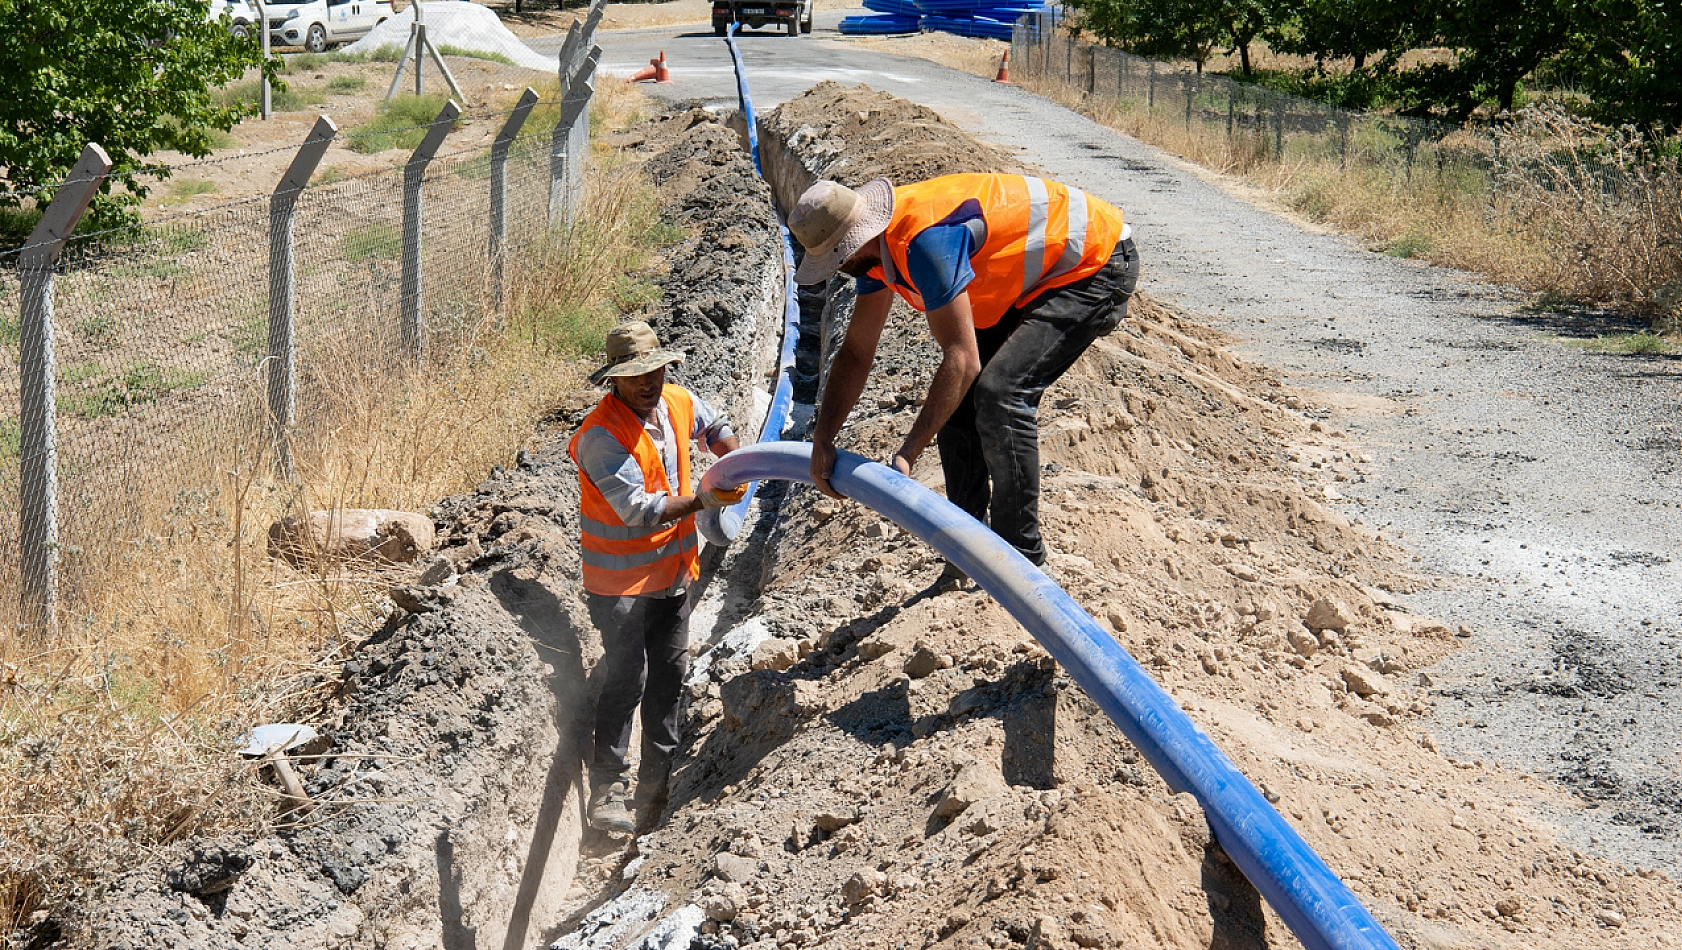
(1191, 95)
(1278, 128)
(499, 192)
(1150, 95)
(1092, 70)
(267, 107)
(283, 346)
(38, 423)
(414, 173)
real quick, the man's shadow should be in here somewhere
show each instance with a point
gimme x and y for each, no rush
(1235, 907)
(542, 615)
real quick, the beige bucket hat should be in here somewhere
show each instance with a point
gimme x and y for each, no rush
(832, 222)
(632, 350)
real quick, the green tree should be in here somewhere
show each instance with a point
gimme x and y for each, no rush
(1496, 45)
(1627, 55)
(1341, 29)
(135, 76)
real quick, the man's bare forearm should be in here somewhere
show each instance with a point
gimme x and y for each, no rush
(946, 390)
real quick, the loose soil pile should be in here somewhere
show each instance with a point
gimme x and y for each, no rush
(874, 762)
(446, 803)
(899, 766)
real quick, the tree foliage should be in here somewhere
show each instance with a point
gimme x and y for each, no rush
(1451, 59)
(135, 76)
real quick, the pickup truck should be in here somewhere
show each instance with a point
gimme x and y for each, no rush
(318, 24)
(794, 15)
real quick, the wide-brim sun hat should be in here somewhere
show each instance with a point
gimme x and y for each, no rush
(832, 222)
(632, 350)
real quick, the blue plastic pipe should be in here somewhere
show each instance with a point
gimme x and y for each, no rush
(1322, 912)
(721, 526)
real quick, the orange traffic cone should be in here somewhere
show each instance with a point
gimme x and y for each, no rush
(1004, 69)
(644, 74)
(661, 73)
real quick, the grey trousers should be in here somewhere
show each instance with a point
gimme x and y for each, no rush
(646, 656)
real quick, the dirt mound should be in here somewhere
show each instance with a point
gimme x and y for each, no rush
(858, 134)
(446, 806)
(899, 766)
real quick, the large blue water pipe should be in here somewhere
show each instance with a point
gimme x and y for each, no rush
(1322, 912)
(721, 526)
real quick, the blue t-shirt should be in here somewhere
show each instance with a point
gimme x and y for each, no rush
(938, 257)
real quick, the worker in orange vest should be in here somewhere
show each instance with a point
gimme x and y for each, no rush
(1016, 275)
(640, 553)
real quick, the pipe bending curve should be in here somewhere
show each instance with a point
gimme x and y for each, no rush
(1317, 906)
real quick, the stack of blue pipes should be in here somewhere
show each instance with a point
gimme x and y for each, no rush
(983, 18)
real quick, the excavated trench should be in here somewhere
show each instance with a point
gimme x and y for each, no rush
(871, 760)
(448, 799)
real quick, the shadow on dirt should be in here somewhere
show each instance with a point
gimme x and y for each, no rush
(543, 616)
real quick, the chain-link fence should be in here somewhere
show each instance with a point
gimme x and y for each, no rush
(138, 365)
(1254, 123)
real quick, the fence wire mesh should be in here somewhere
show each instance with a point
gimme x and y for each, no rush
(1255, 125)
(161, 341)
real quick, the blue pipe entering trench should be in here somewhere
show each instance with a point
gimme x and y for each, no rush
(1322, 912)
(1317, 906)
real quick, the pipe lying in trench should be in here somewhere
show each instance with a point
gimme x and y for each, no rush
(721, 526)
(1322, 912)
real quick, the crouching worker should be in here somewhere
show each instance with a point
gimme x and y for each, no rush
(640, 554)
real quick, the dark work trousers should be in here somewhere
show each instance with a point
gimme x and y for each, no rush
(990, 448)
(646, 655)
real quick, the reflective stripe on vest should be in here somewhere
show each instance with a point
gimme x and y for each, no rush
(626, 560)
(1040, 234)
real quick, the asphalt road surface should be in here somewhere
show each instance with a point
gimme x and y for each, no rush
(1540, 482)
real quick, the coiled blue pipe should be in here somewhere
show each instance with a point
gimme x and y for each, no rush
(1318, 908)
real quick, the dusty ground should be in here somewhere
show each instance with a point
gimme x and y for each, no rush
(922, 775)
(900, 766)
(260, 151)
(446, 813)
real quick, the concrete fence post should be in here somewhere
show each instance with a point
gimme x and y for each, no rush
(38, 423)
(283, 347)
(571, 48)
(414, 174)
(569, 141)
(499, 193)
(578, 142)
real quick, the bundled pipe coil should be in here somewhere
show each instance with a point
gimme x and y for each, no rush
(990, 19)
(880, 24)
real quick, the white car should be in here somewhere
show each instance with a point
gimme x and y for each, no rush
(319, 24)
(242, 15)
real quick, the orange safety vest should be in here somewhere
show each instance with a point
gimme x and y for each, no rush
(622, 560)
(1040, 235)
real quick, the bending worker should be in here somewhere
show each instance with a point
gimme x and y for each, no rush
(640, 554)
(1017, 277)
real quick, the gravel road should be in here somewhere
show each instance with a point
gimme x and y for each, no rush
(1538, 482)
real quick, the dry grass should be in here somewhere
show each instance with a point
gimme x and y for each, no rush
(1574, 212)
(116, 732)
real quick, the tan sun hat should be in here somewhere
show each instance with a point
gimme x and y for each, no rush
(632, 350)
(833, 221)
